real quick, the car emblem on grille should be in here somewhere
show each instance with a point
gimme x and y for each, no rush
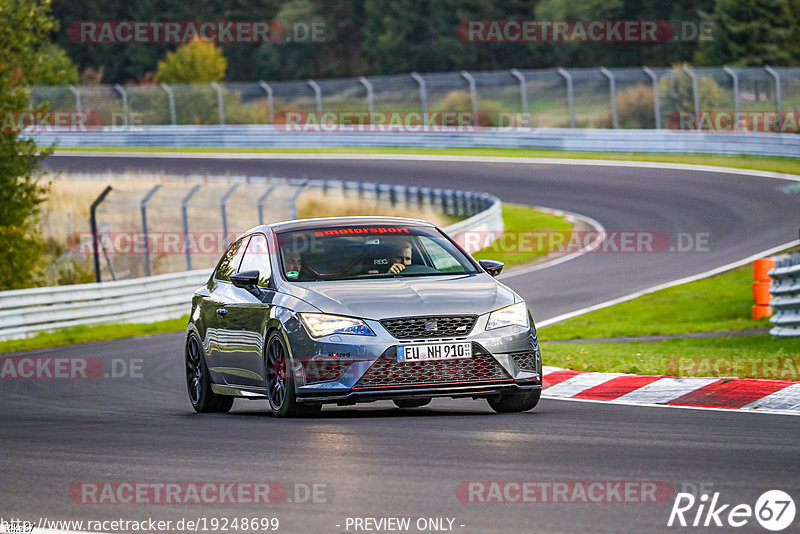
(431, 326)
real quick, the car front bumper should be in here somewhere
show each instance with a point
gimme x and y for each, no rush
(347, 369)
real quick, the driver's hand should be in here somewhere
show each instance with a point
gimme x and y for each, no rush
(396, 268)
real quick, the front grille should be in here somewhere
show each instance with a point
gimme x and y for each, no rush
(430, 327)
(324, 370)
(387, 371)
(526, 361)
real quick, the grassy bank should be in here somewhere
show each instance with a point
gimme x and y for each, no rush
(84, 334)
(714, 304)
(519, 222)
(721, 302)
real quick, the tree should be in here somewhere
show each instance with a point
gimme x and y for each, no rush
(25, 27)
(753, 33)
(56, 68)
(195, 62)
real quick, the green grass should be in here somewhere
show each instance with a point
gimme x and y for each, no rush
(718, 303)
(721, 302)
(774, 164)
(83, 334)
(516, 246)
(759, 356)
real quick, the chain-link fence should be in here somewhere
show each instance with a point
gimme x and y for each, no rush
(559, 98)
(183, 224)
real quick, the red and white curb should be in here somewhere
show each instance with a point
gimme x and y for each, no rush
(751, 394)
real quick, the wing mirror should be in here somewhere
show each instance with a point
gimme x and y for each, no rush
(246, 279)
(490, 266)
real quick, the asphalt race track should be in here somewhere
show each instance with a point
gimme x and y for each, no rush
(378, 461)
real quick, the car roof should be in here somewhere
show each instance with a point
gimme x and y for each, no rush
(325, 222)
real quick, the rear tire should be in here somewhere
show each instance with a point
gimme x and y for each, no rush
(198, 381)
(280, 382)
(411, 403)
(515, 402)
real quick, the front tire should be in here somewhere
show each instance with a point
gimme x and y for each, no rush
(515, 402)
(280, 381)
(198, 381)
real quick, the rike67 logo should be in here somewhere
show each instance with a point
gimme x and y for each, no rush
(774, 510)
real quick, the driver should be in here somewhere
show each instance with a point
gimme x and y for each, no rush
(292, 263)
(399, 256)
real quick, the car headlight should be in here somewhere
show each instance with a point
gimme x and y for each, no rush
(514, 315)
(322, 324)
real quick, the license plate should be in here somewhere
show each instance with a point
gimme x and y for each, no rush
(434, 351)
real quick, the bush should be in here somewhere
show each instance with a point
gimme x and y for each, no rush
(635, 107)
(196, 61)
(491, 112)
(677, 93)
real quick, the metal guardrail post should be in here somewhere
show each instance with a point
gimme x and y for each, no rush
(124, 94)
(143, 208)
(223, 208)
(77, 94)
(270, 100)
(295, 197)
(261, 201)
(317, 95)
(185, 217)
(220, 102)
(735, 80)
(696, 94)
(370, 95)
(171, 97)
(423, 96)
(656, 96)
(778, 93)
(473, 95)
(523, 89)
(570, 95)
(612, 94)
(785, 300)
(93, 229)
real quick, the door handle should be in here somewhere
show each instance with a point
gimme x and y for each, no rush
(222, 312)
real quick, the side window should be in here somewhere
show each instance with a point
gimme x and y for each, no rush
(442, 260)
(256, 258)
(229, 263)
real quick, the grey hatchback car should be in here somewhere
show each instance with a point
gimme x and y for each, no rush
(357, 309)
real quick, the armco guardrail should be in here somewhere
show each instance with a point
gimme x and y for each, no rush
(25, 312)
(261, 136)
(786, 297)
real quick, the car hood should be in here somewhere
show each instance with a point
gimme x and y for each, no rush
(402, 297)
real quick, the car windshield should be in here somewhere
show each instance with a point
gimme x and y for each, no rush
(366, 252)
